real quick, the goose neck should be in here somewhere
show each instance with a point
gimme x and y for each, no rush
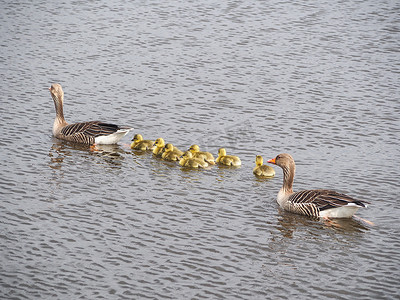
(58, 103)
(288, 178)
(59, 121)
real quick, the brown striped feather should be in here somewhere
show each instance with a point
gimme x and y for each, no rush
(311, 202)
(86, 132)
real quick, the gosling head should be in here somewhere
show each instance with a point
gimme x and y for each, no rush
(187, 154)
(221, 152)
(194, 148)
(259, 160)
(168, 147)
(159, 143)
(137, 138)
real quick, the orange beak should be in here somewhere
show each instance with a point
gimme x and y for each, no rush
(272, 161)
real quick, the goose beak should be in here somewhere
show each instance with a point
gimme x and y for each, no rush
(272, 161)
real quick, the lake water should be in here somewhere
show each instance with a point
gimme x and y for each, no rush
(317, 79)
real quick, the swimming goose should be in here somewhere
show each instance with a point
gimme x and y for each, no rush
(93, 132)
(313, 203)
(261, 170)
(170, 153)
(229, 160)
(140, 144)
(187, 160)
(207, 156)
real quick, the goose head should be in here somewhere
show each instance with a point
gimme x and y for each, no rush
(57, 93)
(283, 160)
(286, 162)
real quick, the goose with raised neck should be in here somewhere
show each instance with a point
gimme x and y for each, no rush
(313, 203)
(92, 132)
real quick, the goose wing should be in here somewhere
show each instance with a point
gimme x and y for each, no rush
(323, 199)
(86, 132)
(93, 128)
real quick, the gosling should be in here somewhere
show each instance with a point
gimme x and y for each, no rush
(261, 170)
(228, 160)
(187, 160)
(207, 156)
(140, 144)
(170, 153)
(159, 145)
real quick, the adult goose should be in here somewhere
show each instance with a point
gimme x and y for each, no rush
(92, 132)
(313, 203)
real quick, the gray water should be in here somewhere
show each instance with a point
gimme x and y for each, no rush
(317, 79)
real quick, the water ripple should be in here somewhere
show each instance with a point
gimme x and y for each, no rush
(318, 81)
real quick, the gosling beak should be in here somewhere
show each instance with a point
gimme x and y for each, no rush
(272, 161)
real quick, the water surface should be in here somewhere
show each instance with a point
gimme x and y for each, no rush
(319, 80)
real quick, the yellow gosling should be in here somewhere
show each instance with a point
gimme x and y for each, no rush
(207, 156)
(228, 160)
(170, 153)
(140, 144)
(187, 160)
(261, 170)
(159, 145)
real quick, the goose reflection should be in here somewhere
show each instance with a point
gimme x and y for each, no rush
(289, 223)
(60, 150)
(303, 232)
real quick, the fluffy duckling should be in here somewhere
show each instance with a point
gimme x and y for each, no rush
(140, 144)
(187, 160)
(207, 156)
(263, 170)
(170, 153)
(229, 160)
